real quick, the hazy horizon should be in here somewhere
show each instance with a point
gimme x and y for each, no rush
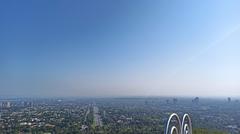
(164, 98)
(120, 48)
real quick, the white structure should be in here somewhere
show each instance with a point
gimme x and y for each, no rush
(175, 126)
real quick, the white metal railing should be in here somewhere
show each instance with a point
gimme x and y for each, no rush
(175, 126)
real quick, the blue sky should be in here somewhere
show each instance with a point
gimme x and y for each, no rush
(119, 47)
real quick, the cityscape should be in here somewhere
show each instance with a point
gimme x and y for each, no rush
(123, 115)
(119, 66)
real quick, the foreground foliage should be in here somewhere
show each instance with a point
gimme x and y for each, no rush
(205, 131)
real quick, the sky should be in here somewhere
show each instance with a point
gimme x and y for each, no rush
(119, 48)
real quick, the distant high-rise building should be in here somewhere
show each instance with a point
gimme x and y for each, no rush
(26, 104)
(8, 104)
(5, 104)
(167, 101)
(175, 100)
(229, 99)
(196, 100)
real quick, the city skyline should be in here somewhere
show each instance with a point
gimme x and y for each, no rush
(120, 48)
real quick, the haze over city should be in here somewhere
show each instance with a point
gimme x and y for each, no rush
(120, 48)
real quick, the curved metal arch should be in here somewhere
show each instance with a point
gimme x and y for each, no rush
(186, 127)
(174, 129)
(178, 128)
